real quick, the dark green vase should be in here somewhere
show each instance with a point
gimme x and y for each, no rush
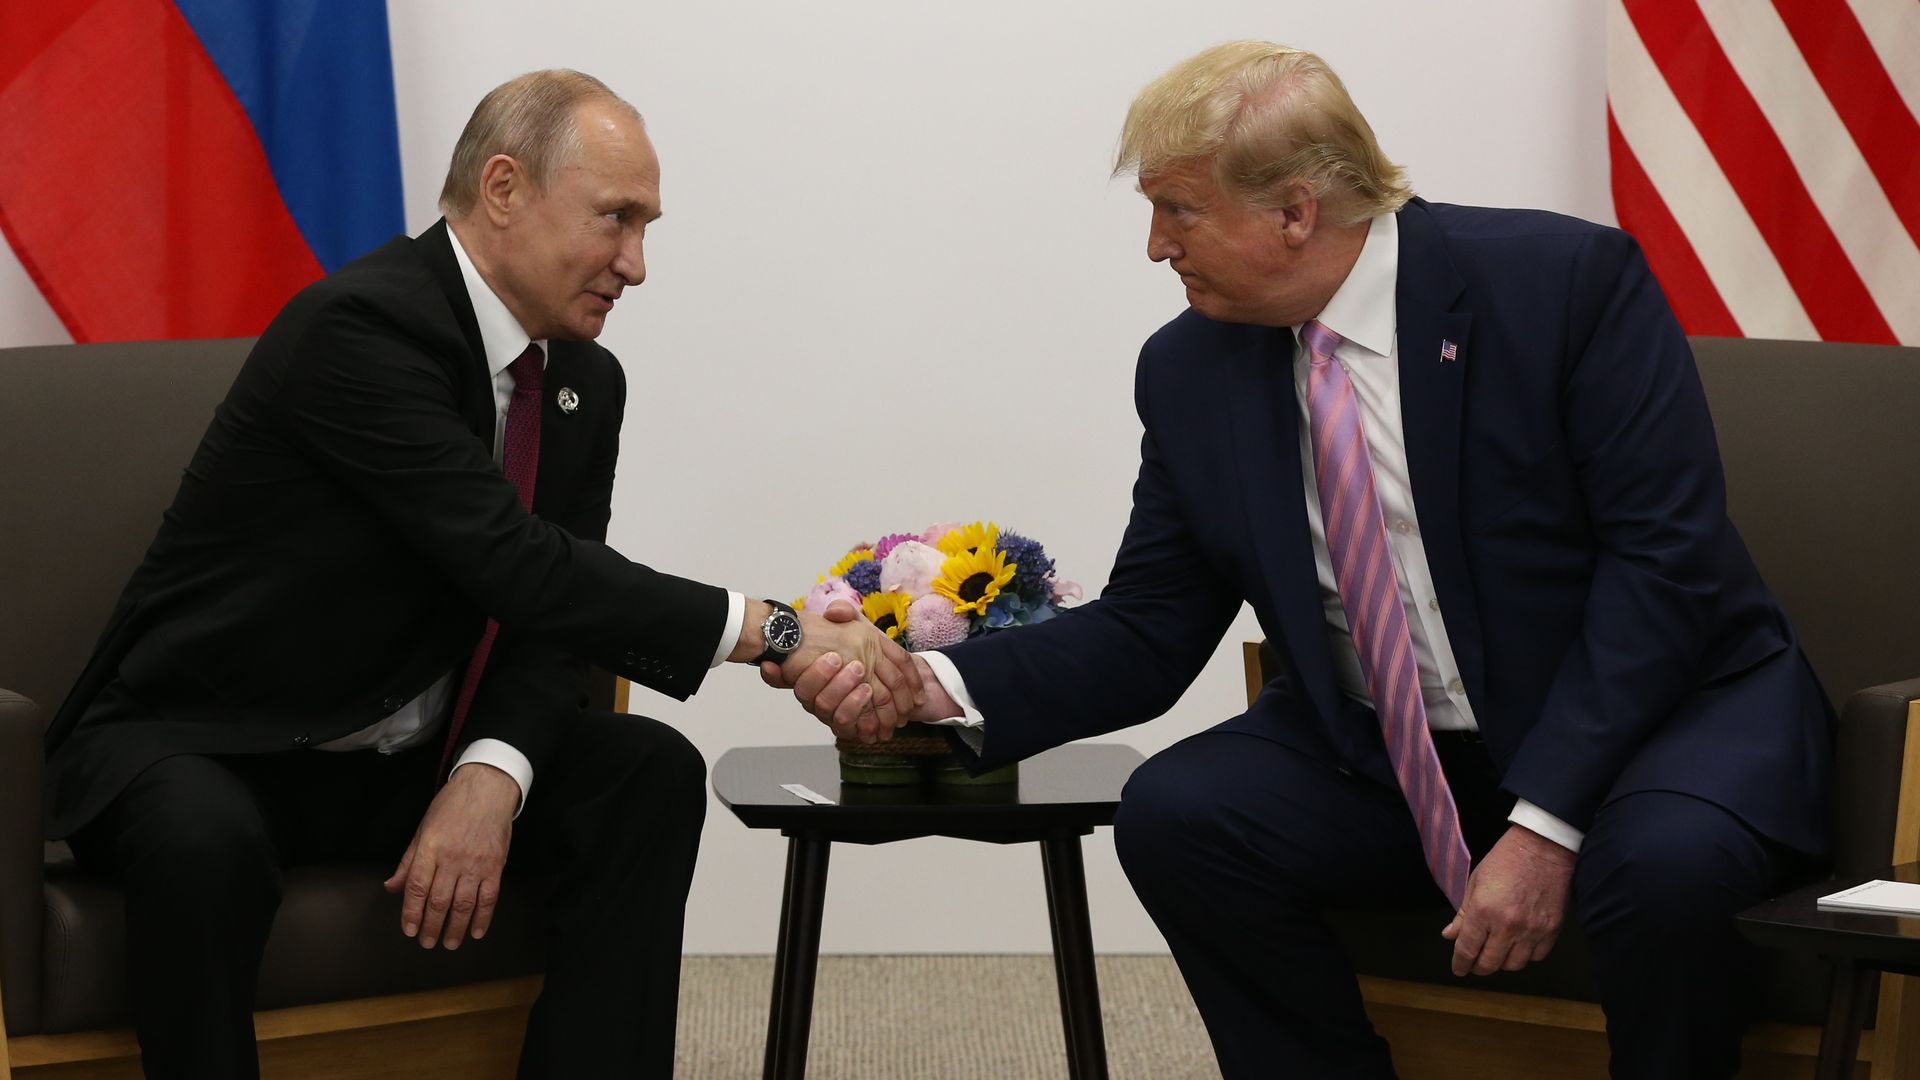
(917, 754)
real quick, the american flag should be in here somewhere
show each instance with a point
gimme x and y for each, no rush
(1448, 350)
(1766, 153)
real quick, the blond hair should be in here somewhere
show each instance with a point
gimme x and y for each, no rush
(531, 119)
(1268, 117)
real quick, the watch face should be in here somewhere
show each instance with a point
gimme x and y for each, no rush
(783, 632)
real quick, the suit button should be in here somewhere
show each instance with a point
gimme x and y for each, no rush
(393, 703)
(630, 659)
(302, 739)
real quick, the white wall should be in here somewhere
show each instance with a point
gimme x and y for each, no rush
(895, 285)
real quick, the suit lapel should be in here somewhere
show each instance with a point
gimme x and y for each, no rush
(562, 430)
(476, 403)
(1430, 328)
(1266, 442)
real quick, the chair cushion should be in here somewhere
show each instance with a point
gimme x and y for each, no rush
(336, 937)
(1398, 944)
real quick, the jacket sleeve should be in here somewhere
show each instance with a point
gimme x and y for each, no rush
(1121, 660)
(381, 416)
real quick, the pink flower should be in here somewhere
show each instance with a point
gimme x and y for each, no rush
(830, 590)
(911, 567)
(937, 530)
(1065, 590)
(933, 624)
(889, 542)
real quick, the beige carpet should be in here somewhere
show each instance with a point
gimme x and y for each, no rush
(940, 1018)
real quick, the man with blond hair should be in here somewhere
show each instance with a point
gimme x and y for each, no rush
(362, 631)
(1460, 463)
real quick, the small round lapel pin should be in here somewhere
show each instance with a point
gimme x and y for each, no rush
(569, 401)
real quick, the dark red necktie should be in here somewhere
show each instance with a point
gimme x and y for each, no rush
(520, 460)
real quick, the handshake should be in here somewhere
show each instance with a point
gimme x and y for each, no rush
(848, 673)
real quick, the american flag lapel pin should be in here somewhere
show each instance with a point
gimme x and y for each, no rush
(1449, 352)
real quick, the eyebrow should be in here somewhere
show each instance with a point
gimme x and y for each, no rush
(645, 209)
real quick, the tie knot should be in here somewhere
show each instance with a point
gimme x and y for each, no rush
(1320, 341)
(528, 369)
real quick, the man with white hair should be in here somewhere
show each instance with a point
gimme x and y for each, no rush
(362, 631)
(1460, 463)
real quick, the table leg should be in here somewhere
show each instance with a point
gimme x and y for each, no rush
(796, 958)
(1073, 958)
(1846, 1015)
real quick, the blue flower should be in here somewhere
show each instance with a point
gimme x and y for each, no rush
(1034, 566)
(864, 576)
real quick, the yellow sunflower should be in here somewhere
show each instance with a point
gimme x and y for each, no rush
(857, 555)
(973, 579)
(969, 538)
(887, 611)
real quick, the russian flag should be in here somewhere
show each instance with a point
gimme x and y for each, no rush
(180, 168)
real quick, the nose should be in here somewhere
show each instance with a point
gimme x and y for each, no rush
(1160, 246)
(631, 263)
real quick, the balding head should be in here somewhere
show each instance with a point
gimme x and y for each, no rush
(533, 119)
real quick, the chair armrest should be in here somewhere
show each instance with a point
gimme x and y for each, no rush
(22, 853)
(1873, 743)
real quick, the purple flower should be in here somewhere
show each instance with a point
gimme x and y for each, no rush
(864, 576)
(1034, 566)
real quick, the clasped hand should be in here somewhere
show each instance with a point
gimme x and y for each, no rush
(855, 679)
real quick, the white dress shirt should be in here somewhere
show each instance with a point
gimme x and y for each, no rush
(503, 340)
(1362, 312)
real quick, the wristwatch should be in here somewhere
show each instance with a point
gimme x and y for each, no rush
(782, 630)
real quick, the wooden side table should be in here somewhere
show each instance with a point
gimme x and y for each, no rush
(1062, 795)
(1857, 946)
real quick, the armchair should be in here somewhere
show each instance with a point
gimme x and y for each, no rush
(94, 437)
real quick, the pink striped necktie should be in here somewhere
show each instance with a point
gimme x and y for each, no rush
(1370, 593)
(520, 460)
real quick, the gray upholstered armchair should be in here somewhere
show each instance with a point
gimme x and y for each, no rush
(1822, 453)
(94, 438)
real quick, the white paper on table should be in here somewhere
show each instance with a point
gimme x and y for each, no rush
(1880, 897)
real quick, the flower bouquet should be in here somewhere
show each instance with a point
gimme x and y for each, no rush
(928, 590)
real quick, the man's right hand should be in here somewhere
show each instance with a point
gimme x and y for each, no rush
(894, 685)
(837, 689)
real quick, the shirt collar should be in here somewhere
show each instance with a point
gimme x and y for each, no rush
(501, 336)
(1362, 309)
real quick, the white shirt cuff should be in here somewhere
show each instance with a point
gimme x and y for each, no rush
(730, 633)
(972, 727)
(1528, 816)
(503, 757)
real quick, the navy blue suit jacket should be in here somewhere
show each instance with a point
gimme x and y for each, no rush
(1610, 627)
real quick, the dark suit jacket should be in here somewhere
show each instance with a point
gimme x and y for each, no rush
(1611, 630)
(342, 534)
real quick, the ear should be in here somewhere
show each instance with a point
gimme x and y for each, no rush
(1298, 214)
(502, 188)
